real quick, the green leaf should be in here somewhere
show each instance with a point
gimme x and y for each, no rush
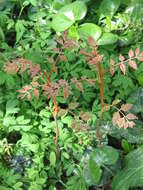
(20, 128)
(36, 14)
(132, 174)
(20, 29)
(140, 79)
(52, 159)
(109, 7)
(68, 15)
(105, 155)
(2, 77)
(107, 39)
(11, 107)
(67, 120)
(2, 36)
(57, 4)
(137, 100)
(7, 121)
(90, 30)
(66, 155)
(126, 146)
(20, 120)
(135, 9)
(33, 2)
(61, 22)
(95, 171)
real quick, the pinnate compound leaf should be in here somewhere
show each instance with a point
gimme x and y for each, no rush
(132, 174)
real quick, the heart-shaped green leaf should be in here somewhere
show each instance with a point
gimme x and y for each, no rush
(132, 174)
(107, 39)
(68, 15)
(90, 30)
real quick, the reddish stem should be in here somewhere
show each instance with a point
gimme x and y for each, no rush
(99, 136)
(101, 85)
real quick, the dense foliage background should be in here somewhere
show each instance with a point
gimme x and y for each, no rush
(46, 60)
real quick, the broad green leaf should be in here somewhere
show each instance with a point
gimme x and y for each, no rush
(68, 15)
(90, 30)
(107, 39)
(105, 155)
(94, 171)
(132, 174)
(109, 7)
(52, 159)
(76, 10)
(61, 22)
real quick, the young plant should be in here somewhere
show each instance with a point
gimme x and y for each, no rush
(41, 80)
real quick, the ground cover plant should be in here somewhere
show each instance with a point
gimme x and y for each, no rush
(71, 103)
